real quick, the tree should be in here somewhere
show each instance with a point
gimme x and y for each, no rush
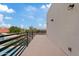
(14, 29)
(31, 29)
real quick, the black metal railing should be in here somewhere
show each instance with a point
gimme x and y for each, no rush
(16, 45)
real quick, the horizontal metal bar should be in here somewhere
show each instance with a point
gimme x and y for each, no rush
(21, 43)
(21, 51)
(10, 45)
(24, 44)
(18, 54)
(11, 34)
(13, 48)
(10, 39)
(16, 50)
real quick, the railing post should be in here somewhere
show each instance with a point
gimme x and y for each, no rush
(27, 38)
(32, 34)
(16, 44)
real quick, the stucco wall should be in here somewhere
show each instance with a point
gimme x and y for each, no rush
(64, 29)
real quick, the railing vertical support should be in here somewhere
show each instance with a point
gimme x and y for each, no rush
(27, 38)
(32, 34)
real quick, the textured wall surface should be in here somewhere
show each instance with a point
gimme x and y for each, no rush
(63, 30)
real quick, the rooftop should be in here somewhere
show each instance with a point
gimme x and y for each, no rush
(41, 46)
(4, 30)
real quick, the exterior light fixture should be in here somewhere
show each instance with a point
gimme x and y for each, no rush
(71, 6)
(70, 49)
(52, 19)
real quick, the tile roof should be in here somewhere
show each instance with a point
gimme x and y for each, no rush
(4, 30)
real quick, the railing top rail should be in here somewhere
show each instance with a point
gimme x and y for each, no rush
(9, 34)
(10, 39)
(17, 44)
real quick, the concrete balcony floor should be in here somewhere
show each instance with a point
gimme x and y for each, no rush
(41, 46)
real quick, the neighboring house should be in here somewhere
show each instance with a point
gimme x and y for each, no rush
(4, 30)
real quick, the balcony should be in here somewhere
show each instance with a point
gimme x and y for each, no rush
(25, 45)
(14, 44)
(41, 46)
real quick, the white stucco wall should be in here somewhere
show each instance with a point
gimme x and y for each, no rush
(64, 30)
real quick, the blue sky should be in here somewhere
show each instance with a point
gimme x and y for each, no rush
(24, 15)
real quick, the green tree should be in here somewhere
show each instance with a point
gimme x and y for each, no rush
(14, 29)
(31, 29)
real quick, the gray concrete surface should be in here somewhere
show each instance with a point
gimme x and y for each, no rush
(41, 46)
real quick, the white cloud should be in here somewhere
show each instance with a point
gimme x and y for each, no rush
(48, 5)
(30, 8)
(31, 17)
(7, 17)
(45, 25)
(22, 26)
(4, 8)
(5, 25)
(2, 23)
(1, 18)
(10, 11)
(40, 25)
(8, 25)
(45, 6)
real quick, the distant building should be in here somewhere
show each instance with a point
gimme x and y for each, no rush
(4, 30)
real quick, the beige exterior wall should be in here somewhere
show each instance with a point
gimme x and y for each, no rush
(64, 30)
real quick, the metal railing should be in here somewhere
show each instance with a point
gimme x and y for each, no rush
(16, 45)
